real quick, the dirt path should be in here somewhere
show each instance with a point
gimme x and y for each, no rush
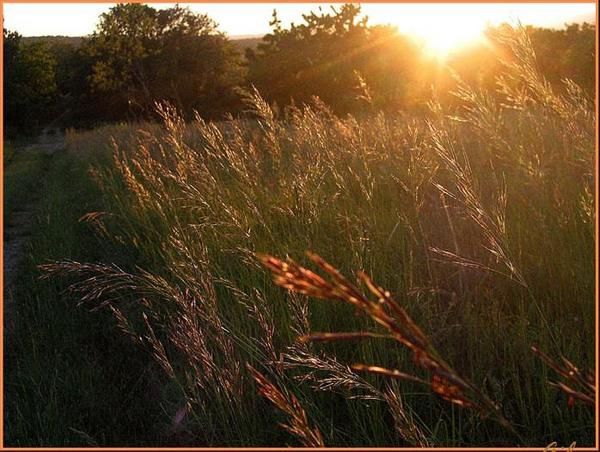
(50, 141)
(17, 227)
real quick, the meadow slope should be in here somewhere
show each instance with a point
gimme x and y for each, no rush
(478, 219)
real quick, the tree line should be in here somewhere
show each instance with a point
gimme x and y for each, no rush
(139, 55)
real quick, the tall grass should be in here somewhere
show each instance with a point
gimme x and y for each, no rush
(479, 220)
(68, 379)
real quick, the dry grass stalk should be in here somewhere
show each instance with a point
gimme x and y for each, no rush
(299, 313)
(328, 374)
(326, 337)
(388, 313)
(188, 316)
(259, 310)
(405, 425)
(298, 424)
(581, 385)
(491, 226)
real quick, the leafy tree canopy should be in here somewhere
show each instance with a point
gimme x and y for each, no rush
(29, 82)
(141, 55)
(330, 55)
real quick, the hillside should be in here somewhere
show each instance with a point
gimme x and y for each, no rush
(241, 42)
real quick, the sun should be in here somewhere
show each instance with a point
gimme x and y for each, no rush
(442, 36)
(441, 28)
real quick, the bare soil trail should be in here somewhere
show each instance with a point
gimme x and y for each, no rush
(17, 226)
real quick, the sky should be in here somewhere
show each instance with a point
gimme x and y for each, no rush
(441, 26)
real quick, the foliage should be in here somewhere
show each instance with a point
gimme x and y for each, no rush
(142, 55)
(567, 53)
(329, 56)
(29, 83)
(560, 54)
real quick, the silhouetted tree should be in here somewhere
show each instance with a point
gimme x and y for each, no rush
(560, 53)
(329, 55)
(139, 55)
(29, 83)
(567, 53)
(142, 55)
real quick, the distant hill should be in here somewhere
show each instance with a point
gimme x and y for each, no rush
(74, 41)
(589, 18)
(560, 24)
(241, 42)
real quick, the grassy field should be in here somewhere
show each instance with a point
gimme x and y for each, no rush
(69, 380)
(479, 221)
(22, 172)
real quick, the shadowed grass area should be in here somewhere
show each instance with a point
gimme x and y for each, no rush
(68, 379)
(22, 173)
